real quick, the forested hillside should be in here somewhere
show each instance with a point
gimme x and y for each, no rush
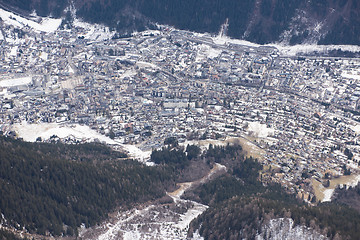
(55, 187)
(349, 196)
(262, 21)
(240, 205)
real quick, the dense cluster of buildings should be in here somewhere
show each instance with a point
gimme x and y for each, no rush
(302, 111)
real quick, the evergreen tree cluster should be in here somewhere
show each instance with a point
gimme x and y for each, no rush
(170, 156)
(6, 235)
(349, 196)
(219, 153)
(175, 156)
(43, 190)
(242, 218)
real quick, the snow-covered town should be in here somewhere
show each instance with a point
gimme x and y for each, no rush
(299, 115)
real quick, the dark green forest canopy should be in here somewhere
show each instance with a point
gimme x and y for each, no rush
(263, 22)
(43, 186)
(226, 219)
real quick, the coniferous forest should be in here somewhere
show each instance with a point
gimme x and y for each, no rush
(54, 188)
(262, 21)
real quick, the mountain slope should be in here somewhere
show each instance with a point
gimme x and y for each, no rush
(55, 188)
(261, 21)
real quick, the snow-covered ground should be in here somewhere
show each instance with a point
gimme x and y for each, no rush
(207, 51)
(309, 48)
(44, 25)
(30, 132)
(15, 82)
(94, 32)
(285, 229)
(168, 221)
(285, 50)
(260, 130)
(328, 192)
(327, 195)
(352, 75)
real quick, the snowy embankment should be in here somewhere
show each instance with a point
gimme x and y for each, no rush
(30, 132)
(305, 48)
(286, 50)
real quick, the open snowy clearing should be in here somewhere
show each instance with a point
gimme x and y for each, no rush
(260, 130)
(15, 82)
(30, 132)
(304, 48)
(45, 25)
(351, 75)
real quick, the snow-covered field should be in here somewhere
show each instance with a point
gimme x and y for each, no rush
(94, 32)
(30, 132)
(309, 48)
(44, 25)
(207, 51)
(285, 50)
(15, 82)
(169, 221)
(352, 75)
(260, 130)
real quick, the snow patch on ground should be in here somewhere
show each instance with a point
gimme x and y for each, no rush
(207, 51)
(94, 32)
(128, 74)
(260, 130)
(309, 48)
(190, 215)
(45, 25)
(15, 82)
(327, 195)
(285, 229)
(146, 64)
(13, 51)
(196, 236)
(352, 75)
(30, 132)
(224, 40)
(132, 236)
(328, 192)
(168, 221)
(356, 129)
